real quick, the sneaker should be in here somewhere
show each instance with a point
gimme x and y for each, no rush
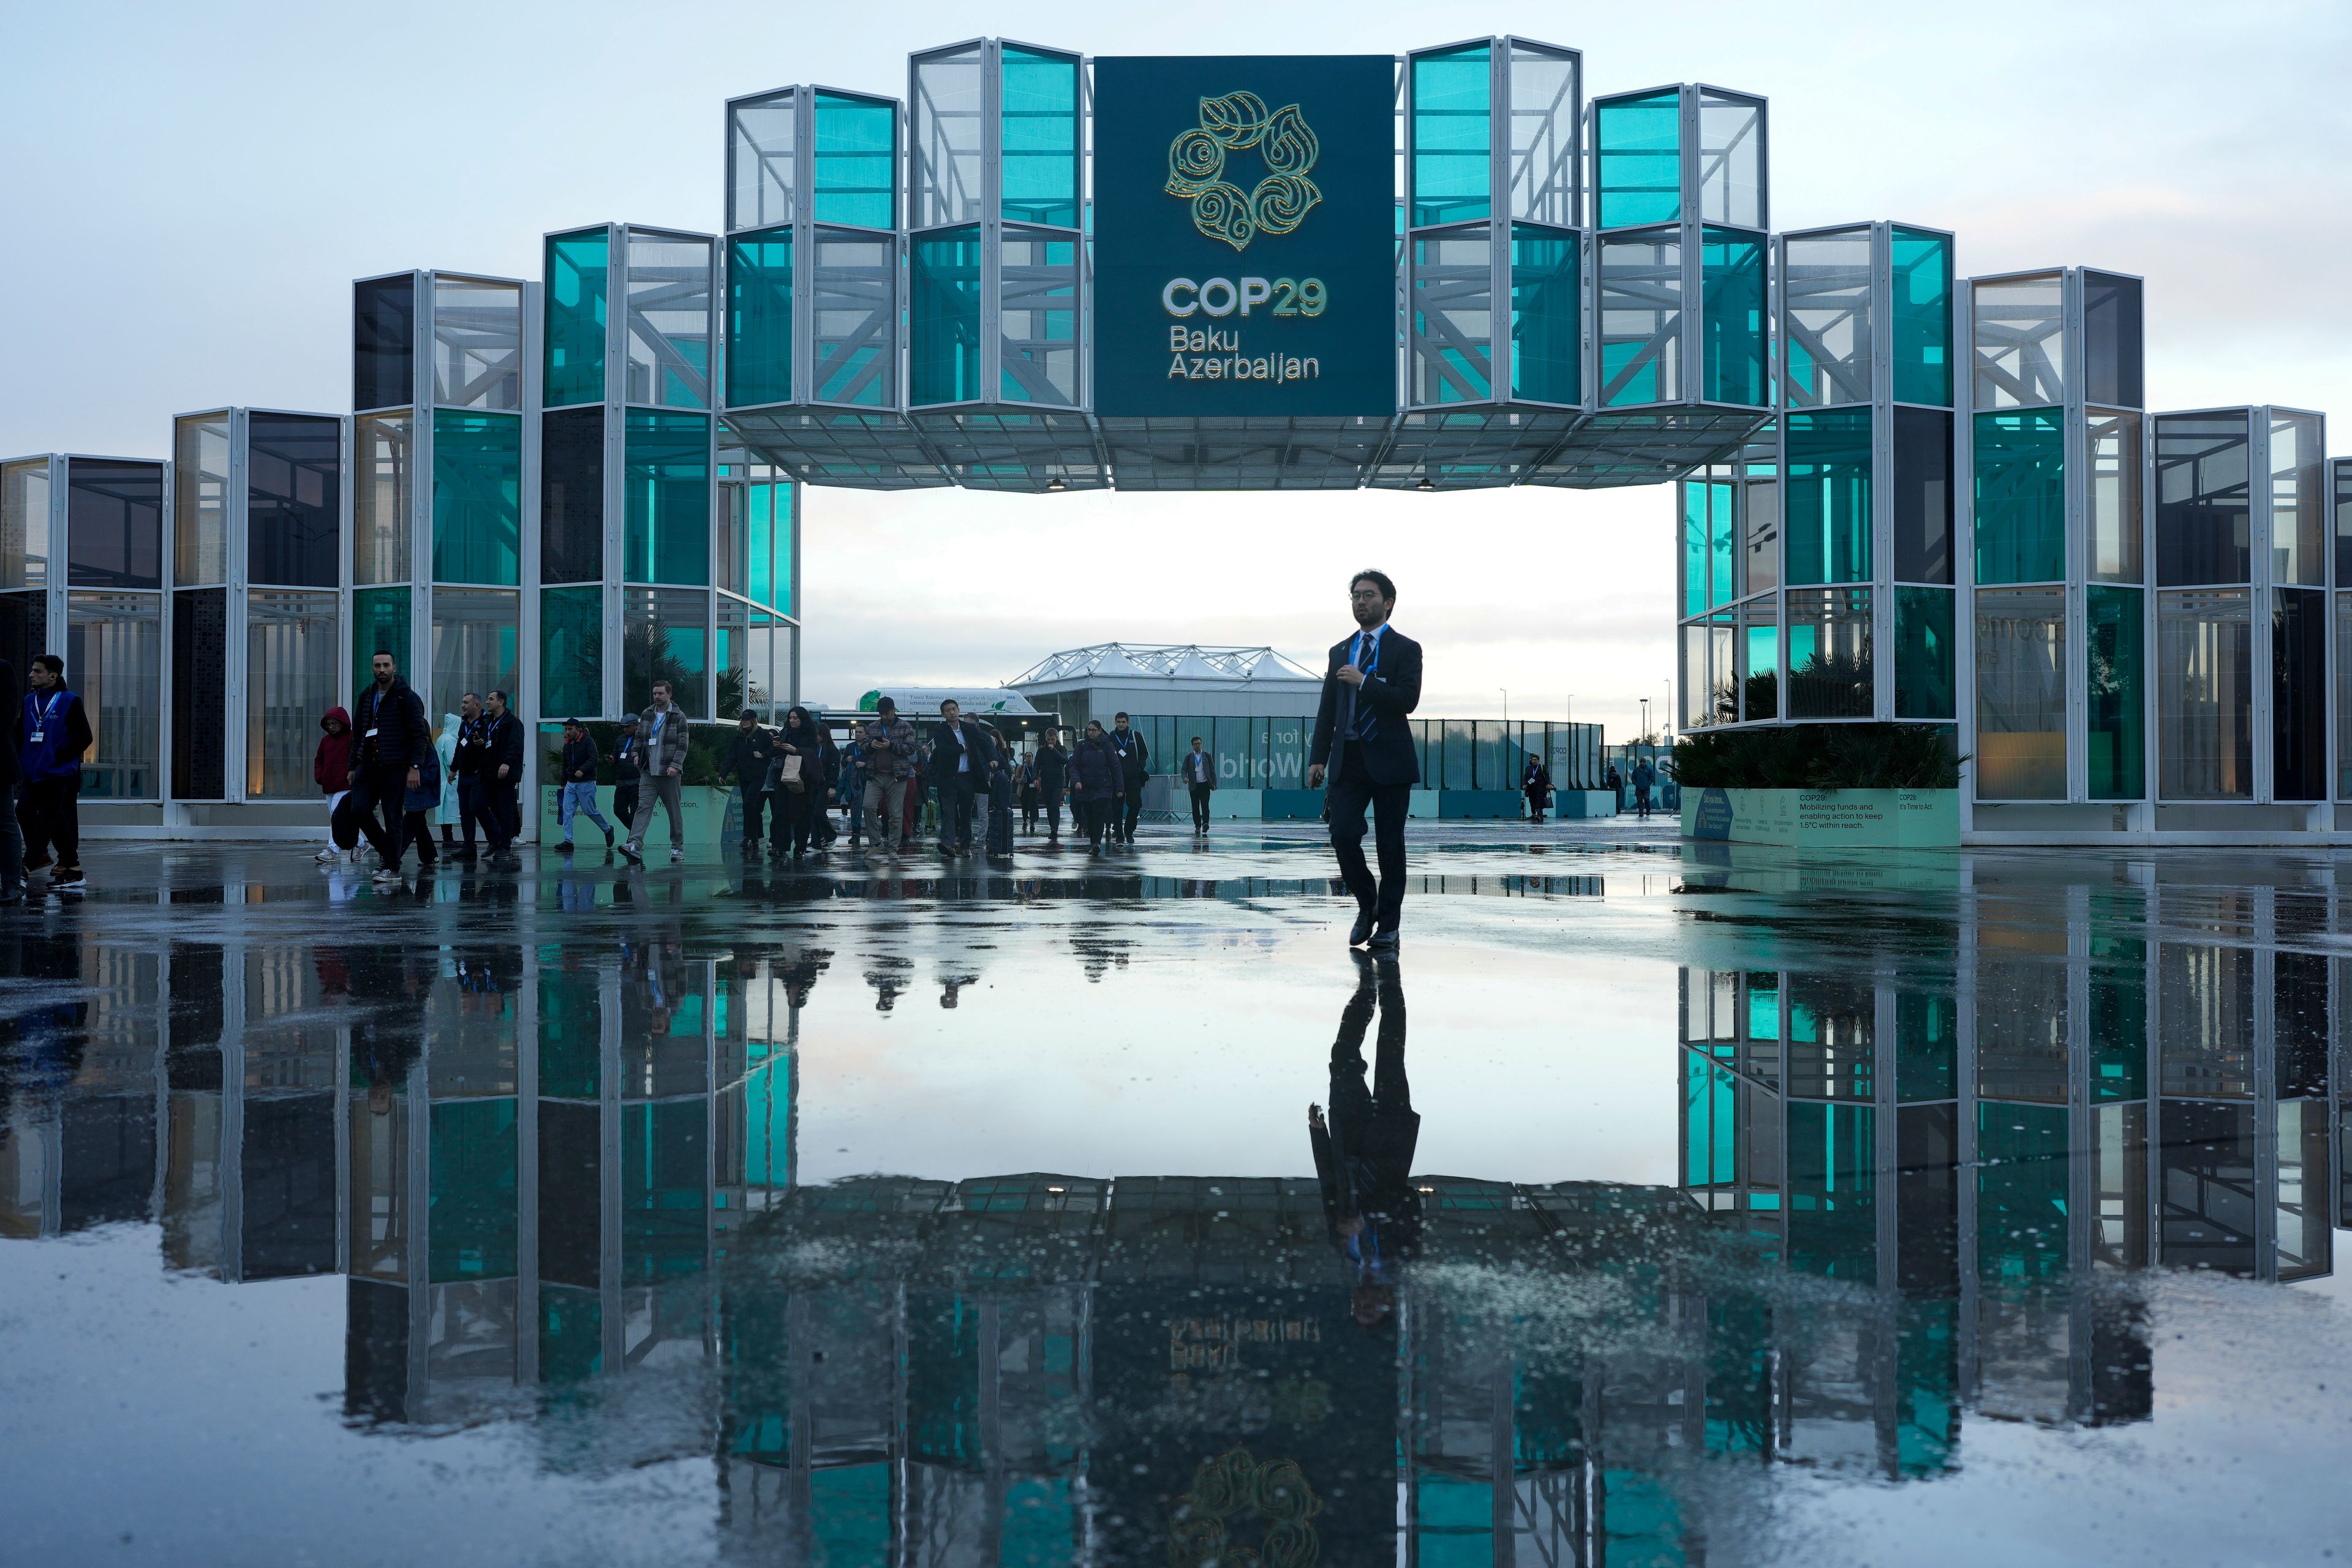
(677, 852)
(608, 839)
(328, 855)
(66, 876)
(387, 877)
(567, 846)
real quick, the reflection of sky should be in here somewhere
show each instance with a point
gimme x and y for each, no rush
(1157, 1070)
(2151, 139)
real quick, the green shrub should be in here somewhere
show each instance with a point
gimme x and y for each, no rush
(1820, 756)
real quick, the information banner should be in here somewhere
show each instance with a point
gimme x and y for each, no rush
(1245, 235)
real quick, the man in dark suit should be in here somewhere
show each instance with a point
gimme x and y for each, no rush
(1363, 1156)
(1362, 742)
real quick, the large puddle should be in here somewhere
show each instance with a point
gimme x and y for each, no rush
(1654, 1209)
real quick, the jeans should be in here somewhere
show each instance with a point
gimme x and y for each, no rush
(886, 802)
(577, 797)
(12, 845)
(660, 788)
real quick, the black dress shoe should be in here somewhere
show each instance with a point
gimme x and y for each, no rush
(1362, 930)
(1384, 941)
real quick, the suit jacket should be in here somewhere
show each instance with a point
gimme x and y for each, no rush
(1391, 692)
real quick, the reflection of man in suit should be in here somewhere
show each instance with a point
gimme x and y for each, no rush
(1363, 740)
(1363, 1157)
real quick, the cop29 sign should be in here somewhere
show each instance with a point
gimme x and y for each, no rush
(1245, 235)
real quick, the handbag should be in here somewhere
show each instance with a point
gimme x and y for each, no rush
(792, 773)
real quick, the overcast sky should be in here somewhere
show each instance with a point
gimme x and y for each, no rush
(189, 191)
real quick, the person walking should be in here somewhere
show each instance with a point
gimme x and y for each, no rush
(1053, 770)
(393, 743)
(330, 770)
(1536, 784)
(886, 751)
(470, 756)
(998, 834)
(12, 773)
(1097, 776)
(959, 770)
(822, 832)
(501, 775)
(578, 762)
(418, 804)
(446, 813)
(748, 762)
(1024, 789)
(1135, 766)
(849, 790)
(56, 737)
(796, 780)
(1616, 783)
(1363, 1155)
(664, 731)
(1200, 770)
(628, 759)
(1362, 742)
(1645, 776)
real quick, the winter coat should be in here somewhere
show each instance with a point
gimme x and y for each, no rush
(666, 750)
(504, 738)
(1135, 757)
(749, 759)
(580, 760)
(330, 768)
(57, 716)
(398, 717)
(1051, 762)
(1095, 771)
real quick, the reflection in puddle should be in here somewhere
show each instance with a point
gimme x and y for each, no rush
(1916, 1190)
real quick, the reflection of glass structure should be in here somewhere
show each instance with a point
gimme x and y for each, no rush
(83, 567)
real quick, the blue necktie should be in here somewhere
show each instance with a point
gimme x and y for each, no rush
(1366, 726)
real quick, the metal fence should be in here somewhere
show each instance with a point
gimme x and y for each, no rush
(1456, 754)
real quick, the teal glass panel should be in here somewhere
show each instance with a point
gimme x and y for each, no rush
(1041, 138)
(570, 1030)
(856, 161)
(2020, 1193)
(2116, 733)
(760, 518)
(477, 498)
(787, 553)
(664, 1197)
(1453, 145)
(1731, 317)
(1927, 1387)
(1833, 1191)
(760, 318)
(943, 317)
(731, 658)
(473, 1222)
(1546, 315)
(571, 1334)
(849, 1513)
(666, 479)
(2119, 996)
(1923, 318)
(1694, 509)
(577, 264)
(1922, 654)
(1640, 154)
(2021, 490)
(571, 651)
(1722, 546)
(379, 621)
(1926, 1047)
(1453, 317)
(664, 636)
(1827, 496)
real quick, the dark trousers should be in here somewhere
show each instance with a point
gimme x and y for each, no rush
(381, 791)
(1389, 1094)
(413, 829)
(624, 806)
(955, 809)
(1029, 806)
(1097, 817)
(795, 819)
(51, 814)
(12, 843)
(501, 813)
(1053, 815)
(1131, 806)
(474, 810)
(1352, 790)
(1201, 793)
(756, 803)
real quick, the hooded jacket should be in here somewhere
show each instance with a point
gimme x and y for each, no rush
(580, 760)
(330, 769)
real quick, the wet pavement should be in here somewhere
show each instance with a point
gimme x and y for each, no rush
(1760, 1208)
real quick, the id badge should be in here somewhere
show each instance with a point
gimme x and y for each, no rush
(370, 735)
(35, 737)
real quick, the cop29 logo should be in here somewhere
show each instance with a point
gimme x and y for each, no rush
(1279, 203)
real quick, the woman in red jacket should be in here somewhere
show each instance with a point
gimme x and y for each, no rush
(331, 768)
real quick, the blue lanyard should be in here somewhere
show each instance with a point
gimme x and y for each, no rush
(49, 712)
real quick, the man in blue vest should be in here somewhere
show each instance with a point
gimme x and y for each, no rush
(56, 738)
(1362, 740)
